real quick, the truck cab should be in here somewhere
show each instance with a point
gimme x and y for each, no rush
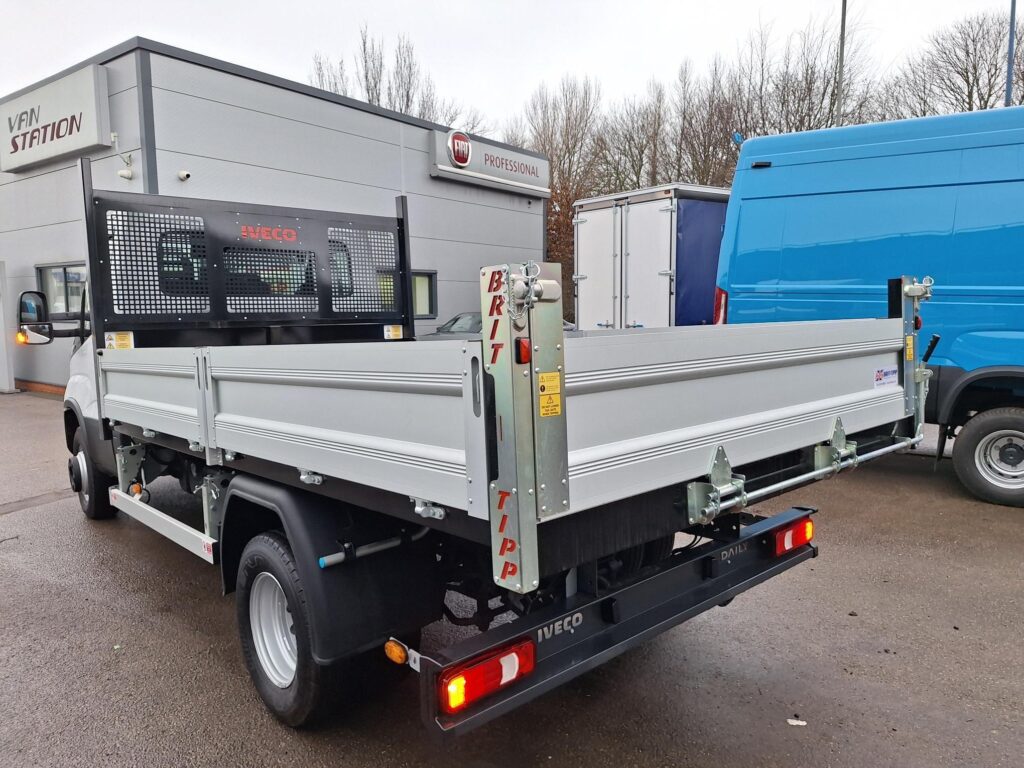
(817, 221)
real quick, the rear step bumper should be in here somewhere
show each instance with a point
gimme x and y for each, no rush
(585, 631)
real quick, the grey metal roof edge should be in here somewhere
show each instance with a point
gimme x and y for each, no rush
(673, 188)
(209, 62)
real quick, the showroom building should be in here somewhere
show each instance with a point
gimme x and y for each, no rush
(162, 120)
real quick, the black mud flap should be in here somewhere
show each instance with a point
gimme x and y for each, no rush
(587, 630)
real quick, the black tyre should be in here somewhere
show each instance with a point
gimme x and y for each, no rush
(274, 628)
(90, 482)
(988, 455)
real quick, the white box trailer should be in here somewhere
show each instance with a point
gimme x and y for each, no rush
(350, 477)
(647, 258)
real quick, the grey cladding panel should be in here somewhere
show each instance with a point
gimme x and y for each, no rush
(206, 128)
(223, 180)
(184, 77)
(449, 220)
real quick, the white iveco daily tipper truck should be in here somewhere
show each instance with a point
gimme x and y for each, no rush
(350, 477)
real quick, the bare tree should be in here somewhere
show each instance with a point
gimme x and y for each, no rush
(630, 142)
(561, 125)
(706, 121)
(404, 86)
(959, 69)
(329, 75)
(370, 67)
(515, 132)
(403, 79)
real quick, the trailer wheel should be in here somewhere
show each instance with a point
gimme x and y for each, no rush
(988, 455)
(274, 628)
(88, 481)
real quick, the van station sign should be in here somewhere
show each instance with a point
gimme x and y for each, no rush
(458, 156)
(69, 116)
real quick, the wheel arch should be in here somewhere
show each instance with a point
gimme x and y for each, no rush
(72, 421)
(355, 605)
(953, 400)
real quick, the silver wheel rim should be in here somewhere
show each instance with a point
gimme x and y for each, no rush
(83, 469)
(995, 456)
(272, 630)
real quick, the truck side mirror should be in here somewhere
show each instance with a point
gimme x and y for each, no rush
(34, 319)
(33, 308)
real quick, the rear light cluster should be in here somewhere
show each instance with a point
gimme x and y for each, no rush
(480, 677)
(793, 536)
(721, 306)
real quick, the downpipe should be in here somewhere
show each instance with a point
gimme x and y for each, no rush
(348, 552)
(817, 474)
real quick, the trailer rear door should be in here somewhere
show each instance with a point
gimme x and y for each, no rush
(598, 278)
(648, 246)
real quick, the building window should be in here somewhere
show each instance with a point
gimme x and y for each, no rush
(63, 285)
(424, 295)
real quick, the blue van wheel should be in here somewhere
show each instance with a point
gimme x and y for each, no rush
(988, 456)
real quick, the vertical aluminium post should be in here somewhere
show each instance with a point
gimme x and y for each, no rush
(523, 350)
(905, 297)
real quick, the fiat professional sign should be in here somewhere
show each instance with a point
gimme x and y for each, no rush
(458, 156)
(69, 116)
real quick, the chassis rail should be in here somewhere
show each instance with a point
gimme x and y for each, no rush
(600, 627)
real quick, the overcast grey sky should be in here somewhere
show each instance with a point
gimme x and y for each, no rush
(488, 53)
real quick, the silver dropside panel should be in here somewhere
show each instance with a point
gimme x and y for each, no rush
(649, 409)
(644, 408)
(157, 389)
(385, 415)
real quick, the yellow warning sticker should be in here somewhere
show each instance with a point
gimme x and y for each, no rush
(119, 340)
(910, 348)
(549, 383)
(550, 405)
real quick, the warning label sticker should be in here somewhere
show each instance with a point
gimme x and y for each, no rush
(910, 348)
(119, 340)
(549, 383)
(551, 405)
(885, 377)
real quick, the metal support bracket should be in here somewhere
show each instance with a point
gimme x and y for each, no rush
(309, 477)
(704, 499)
(836, 450)
(130, 459)
(211, 490)
(427, 509)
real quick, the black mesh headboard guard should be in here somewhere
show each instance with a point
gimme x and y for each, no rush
(186, 272)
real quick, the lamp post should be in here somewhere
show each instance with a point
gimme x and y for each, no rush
(1009, 53)
(842, 56)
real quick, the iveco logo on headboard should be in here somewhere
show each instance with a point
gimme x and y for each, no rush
(460, 151)
(281, 234)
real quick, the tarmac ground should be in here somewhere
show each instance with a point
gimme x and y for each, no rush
(901, 645)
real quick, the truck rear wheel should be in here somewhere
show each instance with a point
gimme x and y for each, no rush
(276, 635)
(988, 455)
(88, 481)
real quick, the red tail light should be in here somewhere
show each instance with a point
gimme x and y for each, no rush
(721, 306)
(795, 535)
(480, 677)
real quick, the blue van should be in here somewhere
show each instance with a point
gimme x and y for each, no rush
(818, 221)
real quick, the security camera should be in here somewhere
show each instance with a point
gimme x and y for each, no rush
(126, 173)
(184, 175)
